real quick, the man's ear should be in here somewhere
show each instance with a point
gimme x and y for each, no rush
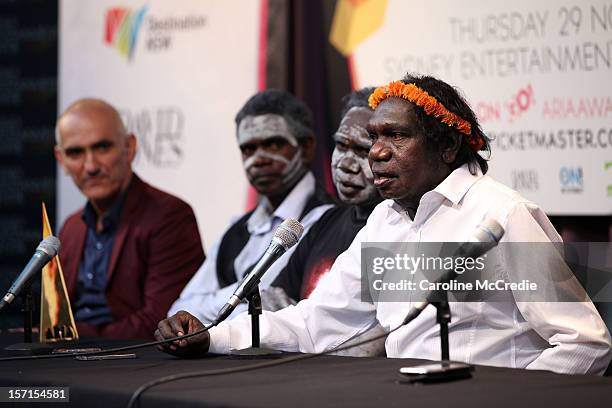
(451, 149)
(131, 144)
(307, 145)
(58, 154)
(57, 151)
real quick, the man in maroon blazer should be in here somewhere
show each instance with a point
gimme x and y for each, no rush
(130, 251)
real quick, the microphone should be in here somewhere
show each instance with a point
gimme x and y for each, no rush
(486, 236)
(45, 251)
(286, 235)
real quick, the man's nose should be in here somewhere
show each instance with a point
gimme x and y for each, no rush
(91, 162)
(379, 151)
(348, 164)
(260, 158)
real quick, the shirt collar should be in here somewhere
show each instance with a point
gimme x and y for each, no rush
(291, 207)
(456, 185)
(453, 188)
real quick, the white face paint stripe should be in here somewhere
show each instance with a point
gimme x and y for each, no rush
(354, 131)
(367, 170)
(294, 169)
(338, 156)
(363, 177)
(350, 169)
(361, 162)
(262, 127)
(262, 153)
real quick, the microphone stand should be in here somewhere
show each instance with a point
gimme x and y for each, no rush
(27, 307)
(486, 236)
(255, 310)
(445, 370)
(443, 318)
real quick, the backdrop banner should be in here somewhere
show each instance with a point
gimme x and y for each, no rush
(537, 74)
(178, 72)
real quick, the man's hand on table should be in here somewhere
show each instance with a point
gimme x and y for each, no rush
(178, 325)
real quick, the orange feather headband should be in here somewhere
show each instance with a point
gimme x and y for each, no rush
(430, 105)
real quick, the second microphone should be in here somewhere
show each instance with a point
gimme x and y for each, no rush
(286, 235)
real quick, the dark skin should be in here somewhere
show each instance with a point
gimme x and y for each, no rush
(405, 167)
(178, 325)
(266, 174)
(350, 168)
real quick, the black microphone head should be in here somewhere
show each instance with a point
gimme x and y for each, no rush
(49, 245)
(288, 233)
(488, 231)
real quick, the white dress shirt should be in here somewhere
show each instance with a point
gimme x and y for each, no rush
(203, 298)
(565, 337)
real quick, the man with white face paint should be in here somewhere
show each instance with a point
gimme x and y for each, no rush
(336, 229)
(274, 132)
(351, 171)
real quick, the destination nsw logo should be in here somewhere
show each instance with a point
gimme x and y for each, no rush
(121, 27)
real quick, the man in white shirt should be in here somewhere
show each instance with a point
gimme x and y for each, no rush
(426, 164)
(274, 132)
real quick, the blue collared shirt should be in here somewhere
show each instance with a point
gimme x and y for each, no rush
(91, 305)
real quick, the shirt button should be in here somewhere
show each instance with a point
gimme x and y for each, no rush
(98, 245)
(90, 276)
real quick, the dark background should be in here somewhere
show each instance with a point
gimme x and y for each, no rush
(28, 105)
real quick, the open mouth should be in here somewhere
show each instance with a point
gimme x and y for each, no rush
(381, 179)
(350, 184)
(349, 189)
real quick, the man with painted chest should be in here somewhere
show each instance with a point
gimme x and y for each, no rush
(275, 136)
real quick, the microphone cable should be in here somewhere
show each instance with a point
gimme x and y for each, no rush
(488, 233)
(285, 236)
(112, 350)
(209, 373)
